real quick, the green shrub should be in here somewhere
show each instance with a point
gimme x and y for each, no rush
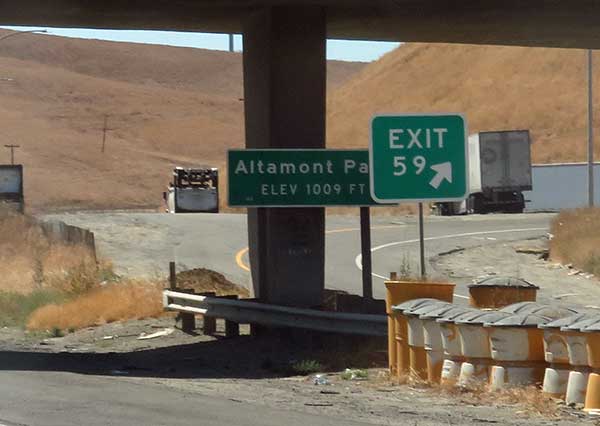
(15, 308)
(306, 367)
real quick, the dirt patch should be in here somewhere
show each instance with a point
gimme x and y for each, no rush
(204, 280)
(558, 284)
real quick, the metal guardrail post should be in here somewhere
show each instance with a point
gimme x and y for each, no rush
(232, 329)
(209, 324)
(188, 320)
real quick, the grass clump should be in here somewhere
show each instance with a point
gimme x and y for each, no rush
(112, 302)
(15, 308)
(576, 239)
(354, 374)
(306, 367)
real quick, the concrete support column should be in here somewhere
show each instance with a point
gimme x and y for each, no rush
(284, 91)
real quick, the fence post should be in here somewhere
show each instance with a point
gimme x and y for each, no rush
(172, 276)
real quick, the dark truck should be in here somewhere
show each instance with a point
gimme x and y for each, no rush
(11, 187)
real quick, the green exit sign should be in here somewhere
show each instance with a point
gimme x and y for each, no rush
(416, 158)
(298, 178)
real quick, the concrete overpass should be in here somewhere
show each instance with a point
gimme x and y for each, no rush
(549, 23)
(284, 79)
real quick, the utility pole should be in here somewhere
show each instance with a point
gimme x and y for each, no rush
(590, 132)
(12, 152)
(104, 130)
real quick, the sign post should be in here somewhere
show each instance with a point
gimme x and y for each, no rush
(419, 158)
(365, 245)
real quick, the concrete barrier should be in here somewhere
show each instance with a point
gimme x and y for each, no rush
(60, 232)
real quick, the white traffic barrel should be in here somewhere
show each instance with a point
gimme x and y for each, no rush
(474, 340)
(578, 358)
(517, 349)
(556, 354)
(453, 357)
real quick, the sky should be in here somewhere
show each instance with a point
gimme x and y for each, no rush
(345, 50)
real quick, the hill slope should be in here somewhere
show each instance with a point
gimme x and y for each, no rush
(166, 106)
(544, 90)
(170, 106)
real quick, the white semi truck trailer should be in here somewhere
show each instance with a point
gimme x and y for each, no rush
(193, 190)
(499, 172)
(11, 187)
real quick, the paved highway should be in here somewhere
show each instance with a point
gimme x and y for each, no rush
(65, 399)
(144, 243)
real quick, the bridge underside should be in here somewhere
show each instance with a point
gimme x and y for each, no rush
(550, 23)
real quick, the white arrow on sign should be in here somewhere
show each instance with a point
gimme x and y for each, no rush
(443, 171)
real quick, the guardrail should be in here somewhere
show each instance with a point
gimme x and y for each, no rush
(247, 312)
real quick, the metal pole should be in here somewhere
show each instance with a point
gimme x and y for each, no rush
(231, 42)
(590, 133)
(365, 244)
(422, 241)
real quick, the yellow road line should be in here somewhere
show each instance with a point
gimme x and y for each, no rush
(240, 261)
(239, 256)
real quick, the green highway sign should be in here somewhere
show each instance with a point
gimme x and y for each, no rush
(298, 178)
(417, 158)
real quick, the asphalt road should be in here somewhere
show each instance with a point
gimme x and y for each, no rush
(144, 243)
(64, 399)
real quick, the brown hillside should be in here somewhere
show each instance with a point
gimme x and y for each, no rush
(167, 106)
(178, 106)
(544, 90)
(210, 71)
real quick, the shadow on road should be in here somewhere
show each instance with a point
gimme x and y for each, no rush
(243, 357)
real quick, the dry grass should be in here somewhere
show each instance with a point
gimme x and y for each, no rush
(113, 302)
(530, 398)
(577, 239)
(51, 285)
(29, 261)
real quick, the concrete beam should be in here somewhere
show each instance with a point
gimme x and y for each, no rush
(550, 23)
(284, 91)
